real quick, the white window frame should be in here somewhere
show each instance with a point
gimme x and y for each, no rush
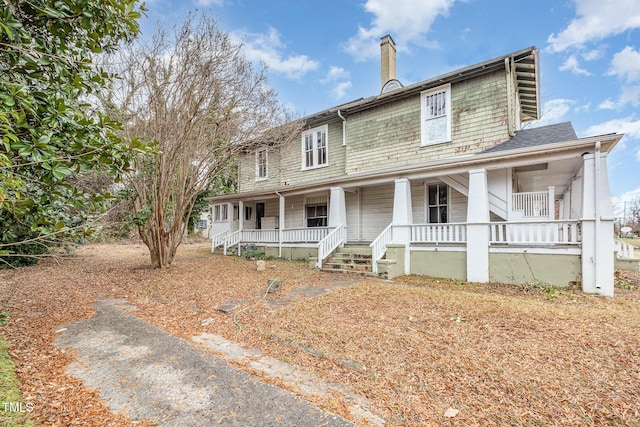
(427, 120)
(262, 167)
(315, 136)
(428, 206)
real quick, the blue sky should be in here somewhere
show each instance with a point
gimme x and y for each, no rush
(324, 53)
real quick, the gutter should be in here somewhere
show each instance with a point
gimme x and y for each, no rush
(344, 128)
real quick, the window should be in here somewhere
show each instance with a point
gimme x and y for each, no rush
(248, 213)
(438, 203)
(201, 224)
(315, 149)
(316, 215)
(220, 213)
(262, 160)
(436, 115)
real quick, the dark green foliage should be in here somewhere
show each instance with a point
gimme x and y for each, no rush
(49, 131)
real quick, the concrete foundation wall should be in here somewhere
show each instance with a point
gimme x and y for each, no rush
(291, 253)
(445, 264)
(554, 269)
(627, 264)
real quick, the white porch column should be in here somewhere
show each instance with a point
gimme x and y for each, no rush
(566, 205)
(240, 215)
(478, 227)
(403, 218)
(576, 197)
(597, 227)
(552, 203)
(337, 208)
(280, 224)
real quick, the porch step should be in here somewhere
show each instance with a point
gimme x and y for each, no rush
(350, 259)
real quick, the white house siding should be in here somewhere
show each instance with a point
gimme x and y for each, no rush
(389, 135)
(418, 194)
(352, 202)
(294, 212)
(377, 211)
(458, 206)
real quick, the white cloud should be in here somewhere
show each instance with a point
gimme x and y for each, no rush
(210, 2)
(340, 90)
(336, 73)
(592, 55)
(628, 125)
(407, 20)
(626, 65)
(571, 64)
(595, 20)
(607, 104)
(269, 49)
(554, 111)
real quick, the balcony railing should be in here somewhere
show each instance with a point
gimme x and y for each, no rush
(533, 204)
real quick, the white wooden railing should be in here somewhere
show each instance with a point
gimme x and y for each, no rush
(330, 243)
(218, 239)
(439, 233)
(624, 249)
(534, 204)
(304, 235)
(563, 232)
(230, 240)
(379, 246)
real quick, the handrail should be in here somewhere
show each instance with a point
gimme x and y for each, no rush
(330, 243)
(379, 246)
(218, 240)
(232, 239)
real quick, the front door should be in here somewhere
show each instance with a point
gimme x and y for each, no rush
(259, 215)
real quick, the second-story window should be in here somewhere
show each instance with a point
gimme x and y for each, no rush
(436, 115)
(315, 149)
(262, 161)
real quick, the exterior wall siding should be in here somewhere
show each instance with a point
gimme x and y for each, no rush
(377, 210)
(389, 135)
(285, 164)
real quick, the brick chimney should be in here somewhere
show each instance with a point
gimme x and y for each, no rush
(388, 59)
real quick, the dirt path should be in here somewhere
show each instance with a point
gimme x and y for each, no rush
(144, 372)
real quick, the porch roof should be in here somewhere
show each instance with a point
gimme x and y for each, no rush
(537, 136)
(508, 157)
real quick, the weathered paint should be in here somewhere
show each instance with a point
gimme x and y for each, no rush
(298, 253)
(444, 264)
(555, 269)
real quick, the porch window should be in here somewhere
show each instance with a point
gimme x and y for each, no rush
(315, 150)
(262, 160)
(436, 115)
(220, 213)
(438, 203)
(316, 215)
(248, 213)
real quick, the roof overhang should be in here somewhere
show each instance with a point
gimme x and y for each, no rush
(452, 165)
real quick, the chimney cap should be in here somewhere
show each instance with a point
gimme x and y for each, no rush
(387, 39)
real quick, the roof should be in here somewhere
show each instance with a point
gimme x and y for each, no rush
(537, 136)
(524, 62)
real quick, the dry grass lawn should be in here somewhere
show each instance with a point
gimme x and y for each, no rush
(501, 355)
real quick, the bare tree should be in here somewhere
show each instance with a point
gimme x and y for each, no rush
(193, 93)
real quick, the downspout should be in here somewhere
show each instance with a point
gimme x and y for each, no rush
(597, 211)
(344, 128)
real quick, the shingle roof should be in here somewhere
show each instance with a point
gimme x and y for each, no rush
(537, 136)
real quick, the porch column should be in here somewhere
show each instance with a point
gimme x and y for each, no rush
(597, 227)
(478, 227)
(337, 208)
(402, 219)
(566, 204)
(552, 203)
(241, 215)
(576, 197)
(280, 224)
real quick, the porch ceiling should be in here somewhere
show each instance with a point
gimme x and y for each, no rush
(557, 173)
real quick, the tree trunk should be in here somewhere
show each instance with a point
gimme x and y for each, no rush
(162, 246)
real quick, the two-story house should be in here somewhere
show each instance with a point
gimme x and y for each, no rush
(436, 178)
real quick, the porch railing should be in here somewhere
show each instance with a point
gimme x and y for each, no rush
(218, 239)
(304, 235)
(534, 204)
(379, 246)
(439, 233)
(624, 249)
(563, 232)
(335, 238)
